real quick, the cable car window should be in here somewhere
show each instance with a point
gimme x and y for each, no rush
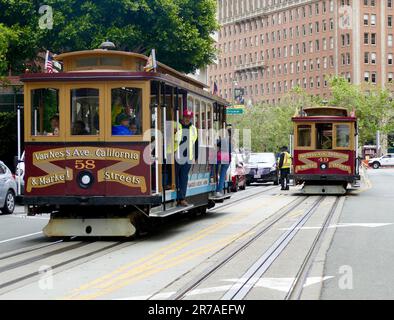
(304, 136)
(86, 62)
(203, 127)
(196, 111)
(45, 112)
(85, 112)
(324, 136)
(126, 112)
(342, 135)
(111, 61)
(190, 104)
(210, 124)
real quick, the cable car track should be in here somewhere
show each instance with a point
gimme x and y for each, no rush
(252, 275)
(61, 251)
(296, 288)
(275, 217)
(106, 249)
(255, 194)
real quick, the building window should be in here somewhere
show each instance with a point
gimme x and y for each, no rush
(366, 38)
(366, 57)
(373, 19)
(366, 19)
(373, 58)
(373, 77)
(373, 38)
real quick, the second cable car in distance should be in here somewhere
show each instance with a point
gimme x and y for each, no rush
(325, 155)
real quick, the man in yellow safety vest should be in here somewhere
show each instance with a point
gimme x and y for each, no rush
(284, 164)
(186, 152)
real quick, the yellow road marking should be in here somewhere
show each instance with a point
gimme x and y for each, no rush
(132, 277)
(147, 265)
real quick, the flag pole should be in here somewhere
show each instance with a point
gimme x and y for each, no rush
(154, 60)
(46, 60)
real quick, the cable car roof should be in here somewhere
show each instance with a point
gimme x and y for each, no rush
(323, 113)
(131, 62)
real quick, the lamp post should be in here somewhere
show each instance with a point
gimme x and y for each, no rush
(233, 84)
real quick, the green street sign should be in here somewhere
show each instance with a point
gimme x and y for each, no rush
(234, 111)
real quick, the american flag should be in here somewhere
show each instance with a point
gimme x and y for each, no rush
(48, 63)
(151, 64)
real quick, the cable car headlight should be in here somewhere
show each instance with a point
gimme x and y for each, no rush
(85, 179)
(323, 166)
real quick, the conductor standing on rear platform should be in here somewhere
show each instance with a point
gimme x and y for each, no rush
(186, 153)
(284, 167)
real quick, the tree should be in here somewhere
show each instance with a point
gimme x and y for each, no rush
(180, 30)
(373, 106)
(8, 146)
(6, 37)
(271, 125)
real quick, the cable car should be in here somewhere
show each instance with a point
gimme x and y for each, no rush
(99, 142)
(325, 156)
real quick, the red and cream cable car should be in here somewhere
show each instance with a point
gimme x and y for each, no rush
(97, 173)
(325, 156)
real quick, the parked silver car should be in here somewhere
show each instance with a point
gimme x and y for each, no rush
(7, 190)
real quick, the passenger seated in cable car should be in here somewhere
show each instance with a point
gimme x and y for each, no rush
(79, 128)
(117, 110)
(123, 128)
(133, 128)
(54, 125)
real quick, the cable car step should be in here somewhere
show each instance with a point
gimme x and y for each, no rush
(220, 198)
(169, 212)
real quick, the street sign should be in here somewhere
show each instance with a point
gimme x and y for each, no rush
(234, 111)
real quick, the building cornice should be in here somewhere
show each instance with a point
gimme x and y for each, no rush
(262, 12)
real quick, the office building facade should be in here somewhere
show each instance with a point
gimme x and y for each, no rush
(268, 47)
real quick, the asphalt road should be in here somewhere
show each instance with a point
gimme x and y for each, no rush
(355, 258)
(361, 255)
(18, 230)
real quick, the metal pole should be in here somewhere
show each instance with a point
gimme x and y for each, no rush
(19, 148)
(156, 139)
(35, 122)
(177, 117)
(163, 104)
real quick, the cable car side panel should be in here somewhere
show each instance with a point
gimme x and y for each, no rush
(87, 170)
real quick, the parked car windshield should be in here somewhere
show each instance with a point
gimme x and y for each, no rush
(262, 158)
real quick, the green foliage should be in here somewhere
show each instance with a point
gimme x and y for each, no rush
(178, 29)
(373, 106)
(271, 125)
(8, 138)
(7, 36)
